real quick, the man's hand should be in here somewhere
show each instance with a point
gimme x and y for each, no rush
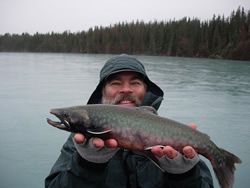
(171, 153)
(97, 142)
(94, 150)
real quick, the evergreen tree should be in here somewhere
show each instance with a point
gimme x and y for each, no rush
(219, 37)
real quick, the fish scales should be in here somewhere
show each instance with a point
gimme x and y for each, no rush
(154, 127)
(140, 128)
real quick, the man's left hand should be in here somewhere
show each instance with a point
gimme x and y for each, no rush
(171, 153)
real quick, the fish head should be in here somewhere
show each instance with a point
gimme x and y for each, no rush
(70, 119)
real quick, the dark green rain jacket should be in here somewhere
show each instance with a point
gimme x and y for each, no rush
(125, 169)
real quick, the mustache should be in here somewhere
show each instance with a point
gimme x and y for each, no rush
(122, 97)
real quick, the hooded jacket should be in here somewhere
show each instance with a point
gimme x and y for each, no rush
(126, 169)
(154, 94)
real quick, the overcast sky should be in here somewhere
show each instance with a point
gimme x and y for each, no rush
(18, 16)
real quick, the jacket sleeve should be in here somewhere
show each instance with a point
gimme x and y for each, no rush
(71, 170)
(198, 177)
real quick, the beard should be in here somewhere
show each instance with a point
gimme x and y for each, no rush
(122, 97)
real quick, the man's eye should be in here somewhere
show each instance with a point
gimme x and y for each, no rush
(115, 83)
(136, 83)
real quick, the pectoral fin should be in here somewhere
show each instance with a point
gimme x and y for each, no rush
(100, 133)
(96, 132)
(148, 154)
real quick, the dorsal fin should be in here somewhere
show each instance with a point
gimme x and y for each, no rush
(147, 109)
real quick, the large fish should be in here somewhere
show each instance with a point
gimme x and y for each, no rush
(140, 128)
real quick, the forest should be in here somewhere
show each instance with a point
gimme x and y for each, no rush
(220, 37)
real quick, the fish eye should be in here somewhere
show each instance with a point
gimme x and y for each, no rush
(65, 114)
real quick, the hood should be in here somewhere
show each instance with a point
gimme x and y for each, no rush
(154, 94)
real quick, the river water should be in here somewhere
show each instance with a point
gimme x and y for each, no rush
(215, 94)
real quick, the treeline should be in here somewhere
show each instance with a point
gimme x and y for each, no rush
(219, 37)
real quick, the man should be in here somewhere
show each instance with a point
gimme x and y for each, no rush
(99, 163)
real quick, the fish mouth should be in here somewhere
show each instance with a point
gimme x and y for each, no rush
(62, 124)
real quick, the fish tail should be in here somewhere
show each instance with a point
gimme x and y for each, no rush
(224, 168)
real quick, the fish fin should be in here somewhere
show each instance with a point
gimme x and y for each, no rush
(96, 132)
(150, 147)
(155, 161)
(225, 171)
(147, 109)
(148, 154)
(152, 157)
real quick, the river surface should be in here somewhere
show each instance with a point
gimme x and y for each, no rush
(215, 94)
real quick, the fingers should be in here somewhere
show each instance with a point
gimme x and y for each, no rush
(167, 151)
(97, 142)
(157, 150)
(189, 152)
(171, 153)
(79, 138)
(111, 143)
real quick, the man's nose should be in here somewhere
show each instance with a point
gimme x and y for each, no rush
(126, 88)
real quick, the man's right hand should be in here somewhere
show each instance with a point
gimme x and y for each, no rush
(97, 142)
(96, 150)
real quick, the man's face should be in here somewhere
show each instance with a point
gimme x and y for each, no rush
(124, 88)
